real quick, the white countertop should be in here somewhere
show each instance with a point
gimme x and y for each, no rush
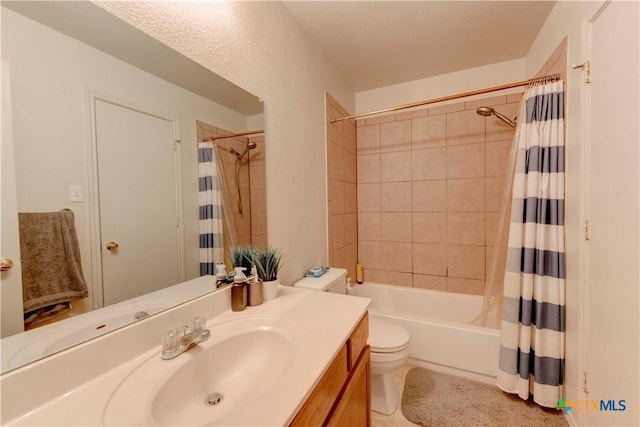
(323, 321)
(29, 346)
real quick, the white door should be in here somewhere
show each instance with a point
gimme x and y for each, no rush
(613, 250)
(11, 279)
(138, 198)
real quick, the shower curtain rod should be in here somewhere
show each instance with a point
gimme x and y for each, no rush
(535, 80)
(233, 135)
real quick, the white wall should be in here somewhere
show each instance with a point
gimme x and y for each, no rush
(49, 72)
(566, 20)
(259, 47)
(442, 85)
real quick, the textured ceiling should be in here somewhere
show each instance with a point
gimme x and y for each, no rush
(380, 43)
(89, 23)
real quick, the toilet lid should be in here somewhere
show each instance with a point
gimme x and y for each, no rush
(386, 336)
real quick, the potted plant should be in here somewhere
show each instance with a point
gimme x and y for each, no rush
(242, 256)
(268, 262)
(245, 258)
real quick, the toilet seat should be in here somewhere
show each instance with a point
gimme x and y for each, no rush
(386, 337)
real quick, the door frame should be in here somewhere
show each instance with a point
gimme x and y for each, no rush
(95, 238)
(576, 418)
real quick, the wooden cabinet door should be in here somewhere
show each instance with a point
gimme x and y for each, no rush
(319, 404)
(354, 408)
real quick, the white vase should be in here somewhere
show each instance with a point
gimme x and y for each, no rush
(270, 289)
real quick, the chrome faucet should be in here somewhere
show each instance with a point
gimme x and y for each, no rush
(176, 342)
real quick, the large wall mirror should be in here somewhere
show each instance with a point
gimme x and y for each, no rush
(104, 123)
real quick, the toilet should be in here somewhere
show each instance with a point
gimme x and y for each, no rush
(388, 341)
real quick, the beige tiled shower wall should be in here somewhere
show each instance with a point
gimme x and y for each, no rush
(251, 224)
(258, 193)
(430, 184)
(242, 220)
(341, 192)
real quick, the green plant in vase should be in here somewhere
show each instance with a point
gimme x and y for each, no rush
(242, 256)
(268, 262)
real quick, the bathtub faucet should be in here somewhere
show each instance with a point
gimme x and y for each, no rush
(176, 342)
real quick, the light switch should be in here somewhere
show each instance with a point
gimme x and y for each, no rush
(75, 193)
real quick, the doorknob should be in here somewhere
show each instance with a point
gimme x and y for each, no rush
(112, 246)
(6, 264)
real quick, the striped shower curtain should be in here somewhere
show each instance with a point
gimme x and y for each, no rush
(211, 245)
(532, 343)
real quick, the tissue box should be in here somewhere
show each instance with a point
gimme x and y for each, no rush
(316, 272)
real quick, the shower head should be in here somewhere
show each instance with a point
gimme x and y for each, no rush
(249, 146)
(485, 111)
(488, 111)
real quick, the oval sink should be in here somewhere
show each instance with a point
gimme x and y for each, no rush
(240, 369)
(242, 361)
(50, 339)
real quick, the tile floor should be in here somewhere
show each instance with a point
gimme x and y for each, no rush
(396, 419)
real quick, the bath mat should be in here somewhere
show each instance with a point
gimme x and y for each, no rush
(434, 399)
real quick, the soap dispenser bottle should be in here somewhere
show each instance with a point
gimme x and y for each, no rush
(221, 273)
(239, 290)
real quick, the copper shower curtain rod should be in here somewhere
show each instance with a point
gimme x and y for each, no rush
(533, 81)
(233, 135)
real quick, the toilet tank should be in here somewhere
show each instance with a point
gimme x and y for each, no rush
(334, 280)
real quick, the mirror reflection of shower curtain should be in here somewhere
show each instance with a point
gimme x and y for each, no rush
(210, 210)
(230, 236)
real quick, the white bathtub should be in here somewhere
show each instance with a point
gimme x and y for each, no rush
(438, 322)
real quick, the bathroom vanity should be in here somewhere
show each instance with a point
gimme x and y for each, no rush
(299, 359)
(343, 394)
